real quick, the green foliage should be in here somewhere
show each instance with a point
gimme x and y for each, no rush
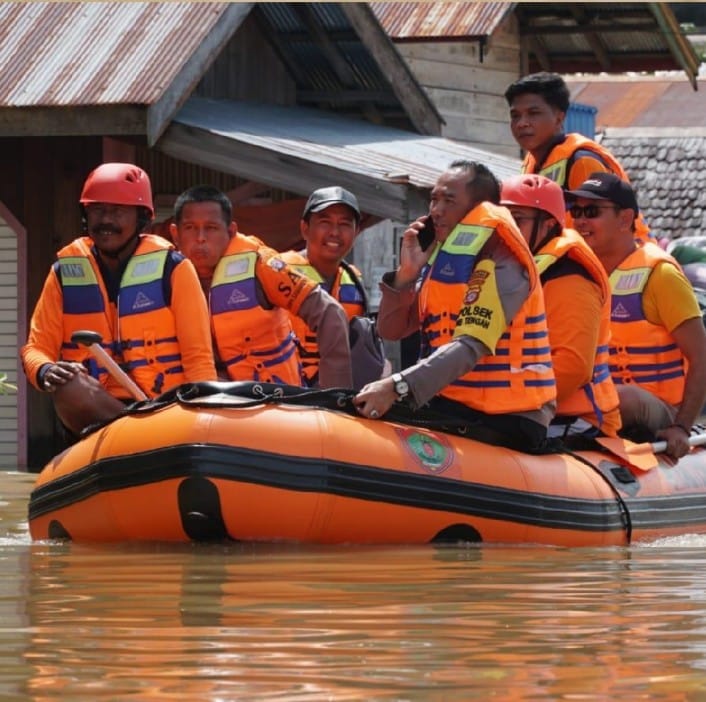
(5, 387)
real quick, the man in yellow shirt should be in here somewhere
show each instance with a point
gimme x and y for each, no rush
(658, 345)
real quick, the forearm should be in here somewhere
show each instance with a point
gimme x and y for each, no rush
(398, 315)
(448, 363)
(694, 396)
(192, 325)
(324, 316)
(43, 345)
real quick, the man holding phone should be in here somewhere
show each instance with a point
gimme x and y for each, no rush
(475, 297)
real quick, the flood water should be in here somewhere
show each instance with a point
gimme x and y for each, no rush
(226, 622)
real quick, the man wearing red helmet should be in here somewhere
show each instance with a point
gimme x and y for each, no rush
(134, 289)
(577, 299)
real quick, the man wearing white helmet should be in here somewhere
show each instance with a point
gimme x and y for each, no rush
(134, 289)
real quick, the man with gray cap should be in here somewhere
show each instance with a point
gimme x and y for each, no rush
(329, 225)
(658, 345)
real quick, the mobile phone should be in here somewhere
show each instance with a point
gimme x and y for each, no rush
(426, 234)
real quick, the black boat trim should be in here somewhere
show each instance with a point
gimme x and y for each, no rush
(370, 483)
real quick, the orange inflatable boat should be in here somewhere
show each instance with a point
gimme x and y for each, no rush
(244, 461)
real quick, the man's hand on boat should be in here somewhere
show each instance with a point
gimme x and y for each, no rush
(677, 438)
(376, 398)
(59, 373)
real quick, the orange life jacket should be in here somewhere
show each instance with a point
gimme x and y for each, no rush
(254, 343)
(518, 376)
(599, 396)
(145, 341)
(343, 289)
(642, 352)
(557, 167)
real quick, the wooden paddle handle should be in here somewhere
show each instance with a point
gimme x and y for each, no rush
(116, 371)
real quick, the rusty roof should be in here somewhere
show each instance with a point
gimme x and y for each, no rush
(143, 59)
(440, 20)
(661, 101)
(96, 53)
(565, 37)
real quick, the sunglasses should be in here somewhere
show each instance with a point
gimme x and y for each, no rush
(589, 211)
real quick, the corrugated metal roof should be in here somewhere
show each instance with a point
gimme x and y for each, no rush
(97, 53)
(336, 67)
(565, 37)
(440, 20)
(316, 73)
(645, 102)
(379, 164)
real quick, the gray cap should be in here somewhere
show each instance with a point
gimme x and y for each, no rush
(325, 197)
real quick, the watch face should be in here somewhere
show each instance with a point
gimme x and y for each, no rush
(401, 388)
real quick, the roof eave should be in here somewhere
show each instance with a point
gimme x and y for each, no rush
(417, 104)
(79, 120)
(161, 112)
(681, 48)
(377, 196)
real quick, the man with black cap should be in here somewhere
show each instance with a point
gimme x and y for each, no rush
(329, 225)
(251, 292)
(658, 345)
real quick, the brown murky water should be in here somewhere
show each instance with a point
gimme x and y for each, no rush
(294, 623)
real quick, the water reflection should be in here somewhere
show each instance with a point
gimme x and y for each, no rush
(243, 622)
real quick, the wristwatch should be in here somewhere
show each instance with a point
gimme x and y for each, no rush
(400, 385)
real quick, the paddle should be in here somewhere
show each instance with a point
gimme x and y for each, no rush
(642, 456)
(92, 340)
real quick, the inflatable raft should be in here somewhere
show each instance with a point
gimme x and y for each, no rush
(250, 462)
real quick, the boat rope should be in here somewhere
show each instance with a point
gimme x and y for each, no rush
(248, 394)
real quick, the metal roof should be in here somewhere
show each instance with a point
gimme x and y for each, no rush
(666, 101)
(440, 20)
(342, 60)
(595, 37)
(588, 37)
(145, 58)
(97, 53)
(300, 149)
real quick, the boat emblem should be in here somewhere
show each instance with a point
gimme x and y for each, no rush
(431, 451)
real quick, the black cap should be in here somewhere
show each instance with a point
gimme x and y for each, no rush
(325, 197)
(606, 186)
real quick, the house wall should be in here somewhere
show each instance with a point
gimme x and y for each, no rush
(248, 68)
(10, 454)
(40, 178)
(467, 92)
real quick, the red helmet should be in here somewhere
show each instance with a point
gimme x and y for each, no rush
(537, 191)
(118, 184)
